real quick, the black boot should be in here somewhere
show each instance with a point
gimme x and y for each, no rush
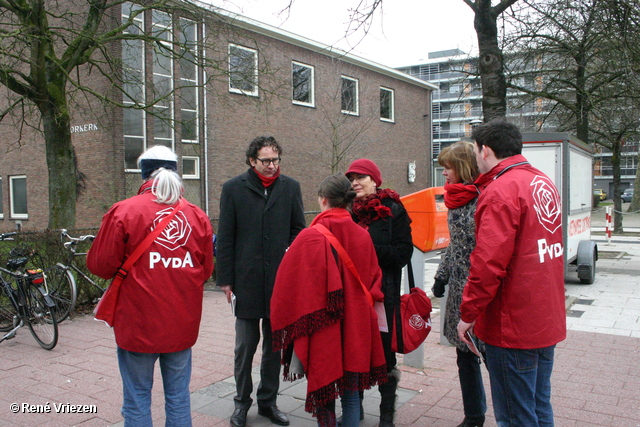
(388, 398)
(472, 422)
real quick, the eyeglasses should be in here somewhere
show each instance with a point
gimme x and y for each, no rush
(357, 177)
(265, 162)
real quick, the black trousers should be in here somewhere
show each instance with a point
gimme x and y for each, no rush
(247, 339)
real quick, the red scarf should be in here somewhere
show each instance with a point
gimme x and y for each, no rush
(371, 208)
(458, 195)
(337, 341)
(267, 180)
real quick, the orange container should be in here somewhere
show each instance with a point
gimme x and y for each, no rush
(428, 215)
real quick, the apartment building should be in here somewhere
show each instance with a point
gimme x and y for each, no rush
(326, 107)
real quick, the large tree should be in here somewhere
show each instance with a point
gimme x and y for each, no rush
(571, 54)
(47, 50)
(614, 124)
(566, 45)
(624, 17)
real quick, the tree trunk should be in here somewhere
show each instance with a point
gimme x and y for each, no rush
(60, 163)
(490, 65)
(582, 103)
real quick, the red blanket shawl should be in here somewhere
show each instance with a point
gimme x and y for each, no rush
(320, 308)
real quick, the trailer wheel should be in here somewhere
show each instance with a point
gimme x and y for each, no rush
(587, 257)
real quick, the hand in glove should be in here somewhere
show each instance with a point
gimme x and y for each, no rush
(438, 288)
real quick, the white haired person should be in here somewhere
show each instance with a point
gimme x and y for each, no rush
(159, 307)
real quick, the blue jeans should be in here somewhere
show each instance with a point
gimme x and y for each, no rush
(521, 385)
(350, 400)
(474, 399)
(136, 370)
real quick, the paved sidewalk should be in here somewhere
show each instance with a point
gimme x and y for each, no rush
(595, 382)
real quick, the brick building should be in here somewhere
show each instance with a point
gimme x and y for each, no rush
(326, 108)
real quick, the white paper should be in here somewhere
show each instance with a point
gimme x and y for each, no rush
(378, 306)
(233, 304)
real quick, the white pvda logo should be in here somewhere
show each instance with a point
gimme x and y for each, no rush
(176, 233)
(546, 202)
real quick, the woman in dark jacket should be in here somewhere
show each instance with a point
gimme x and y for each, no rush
(381, 213)
(460, 170)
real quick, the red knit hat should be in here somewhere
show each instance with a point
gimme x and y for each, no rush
(366, 167)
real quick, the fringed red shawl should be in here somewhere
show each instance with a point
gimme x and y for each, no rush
(320, 308)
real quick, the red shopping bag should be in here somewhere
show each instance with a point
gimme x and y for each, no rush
(412, 324)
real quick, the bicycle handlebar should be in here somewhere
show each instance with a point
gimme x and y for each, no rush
(5, 236)
(74, 240)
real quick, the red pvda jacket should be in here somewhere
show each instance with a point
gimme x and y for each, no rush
(160, 303)
(515, 289)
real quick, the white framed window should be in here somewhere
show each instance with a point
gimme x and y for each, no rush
(387, 104)
(189, 82)
(1, 204)
(243, 70)
(163, 110)
(349, 95)
(18, 196)
(302, 82)
(133, 72)
(190, 167)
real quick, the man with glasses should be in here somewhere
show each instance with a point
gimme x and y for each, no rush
(261, 213)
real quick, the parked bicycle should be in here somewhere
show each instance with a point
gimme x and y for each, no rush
(68, 305)
(24, 299)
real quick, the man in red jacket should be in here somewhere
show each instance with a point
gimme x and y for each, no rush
(158, 311)
(514, 296)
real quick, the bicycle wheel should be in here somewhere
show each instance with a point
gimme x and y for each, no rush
(7, 311)
(62, 290)
(42, 322)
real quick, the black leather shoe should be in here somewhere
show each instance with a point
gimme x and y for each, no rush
(275, 415)
(472, 422)
(239, 417)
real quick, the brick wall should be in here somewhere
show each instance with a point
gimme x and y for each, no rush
(232, 121)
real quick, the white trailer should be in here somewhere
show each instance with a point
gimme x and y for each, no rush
(568, 162)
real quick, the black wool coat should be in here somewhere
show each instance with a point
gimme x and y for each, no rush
(254, 231)
(392, 239)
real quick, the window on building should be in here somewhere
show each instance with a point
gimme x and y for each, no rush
(162, 79)
(302, 80)
(18, 196)
(188, 82)
(190, 167)
(349, 91)
(387, 108)
(149, 73)
(243, 70)
(133, 70)
(457, 108)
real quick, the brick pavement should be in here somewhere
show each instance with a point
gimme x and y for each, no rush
(595, 382)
